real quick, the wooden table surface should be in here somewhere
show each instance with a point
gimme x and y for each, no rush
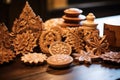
(16, 70)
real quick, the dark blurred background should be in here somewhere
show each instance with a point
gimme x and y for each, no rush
(11, 9)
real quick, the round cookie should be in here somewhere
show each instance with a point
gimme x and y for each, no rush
(59, 60)
(72, 12)
(48, 37)
(75, 19)
(60, 48)
(54, 22)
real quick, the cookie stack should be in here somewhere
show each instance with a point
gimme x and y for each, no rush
(73, 17)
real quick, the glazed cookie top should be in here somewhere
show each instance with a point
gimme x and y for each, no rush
(59, 59)
(73, 11)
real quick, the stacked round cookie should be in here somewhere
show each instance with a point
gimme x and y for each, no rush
(73, 17)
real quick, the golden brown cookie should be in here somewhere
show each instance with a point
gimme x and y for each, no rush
(24, 43)
(5, 38)
(99, 44)
(6, 55)
(73, 12)
(54, 22)
(34, 58)
(72, 17)
(47, 38)
(59, 60)
(74, 38)
(60, 48)
(111, 56)
(85, 57)
(57, 29)
(27, 21)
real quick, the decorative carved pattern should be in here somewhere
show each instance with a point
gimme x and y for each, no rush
(26, 30)
(85, 57)
(24, 43)
(54, 22)
(99, 44)
(6, 55)
(28, 21)
(60, 48)
(111, 56)
(47, 38)
(74, 38)
(34, 58)
(5, 38)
